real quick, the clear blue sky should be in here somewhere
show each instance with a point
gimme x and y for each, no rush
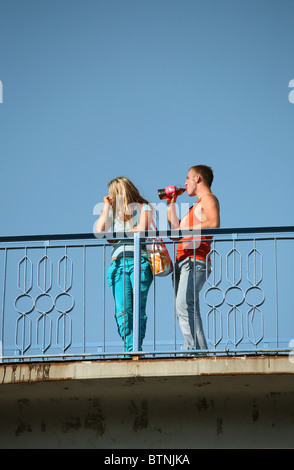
(93, 89)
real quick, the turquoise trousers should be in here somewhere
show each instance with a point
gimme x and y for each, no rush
(120, 277)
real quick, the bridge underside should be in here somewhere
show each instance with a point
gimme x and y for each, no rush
(225, 402)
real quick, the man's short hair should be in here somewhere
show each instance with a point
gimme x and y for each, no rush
(205, 172)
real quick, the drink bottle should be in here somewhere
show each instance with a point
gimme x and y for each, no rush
(169, 191)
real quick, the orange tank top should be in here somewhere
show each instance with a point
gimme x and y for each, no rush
(191, 247)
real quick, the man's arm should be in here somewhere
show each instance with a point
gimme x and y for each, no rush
(172, 217)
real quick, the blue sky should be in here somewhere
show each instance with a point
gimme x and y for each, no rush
(94, 89)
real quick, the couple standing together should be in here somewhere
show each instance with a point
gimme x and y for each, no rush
(126, 210)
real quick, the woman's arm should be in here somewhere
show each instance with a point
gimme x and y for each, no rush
(104, 222)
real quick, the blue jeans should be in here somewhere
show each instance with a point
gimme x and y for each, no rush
(187, 301)
(120, 277)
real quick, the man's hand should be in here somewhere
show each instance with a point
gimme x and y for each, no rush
(172, 199)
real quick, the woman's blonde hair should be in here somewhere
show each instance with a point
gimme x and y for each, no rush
(124, 195)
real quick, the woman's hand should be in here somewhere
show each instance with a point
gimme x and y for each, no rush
(107, 200)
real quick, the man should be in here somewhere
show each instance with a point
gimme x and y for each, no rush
(192, 264)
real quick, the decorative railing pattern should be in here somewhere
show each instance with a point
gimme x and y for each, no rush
(55, 302)
(235, 295)
(44, 303)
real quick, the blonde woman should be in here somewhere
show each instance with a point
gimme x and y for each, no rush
(126, 210)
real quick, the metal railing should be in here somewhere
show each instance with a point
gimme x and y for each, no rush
(55, 303)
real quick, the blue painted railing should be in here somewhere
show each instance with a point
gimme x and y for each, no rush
(55, 302)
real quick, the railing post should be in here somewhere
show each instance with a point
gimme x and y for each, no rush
(137, 292)
(3, 308)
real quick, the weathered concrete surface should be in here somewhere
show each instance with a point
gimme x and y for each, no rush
(153, 404)
(80, 370)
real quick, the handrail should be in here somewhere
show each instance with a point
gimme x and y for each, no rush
(144, 234)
